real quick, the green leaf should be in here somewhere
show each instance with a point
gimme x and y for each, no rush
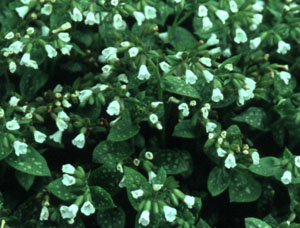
(202, 224)
(244, 188)
(112, 218)
(32, 163)
(111, 153)
(161, 176)
(184, 129)
(177, 86)
(255, 117)
(24, 179)
(255, 223)
(173, 161)
(218, 181)
(31, 82)
(180, 38)
(134, 181)
(267, 167)
(101, 198)
(5, 148)
(63, 192)
(124, 129)
(164, 10)
(282, 89)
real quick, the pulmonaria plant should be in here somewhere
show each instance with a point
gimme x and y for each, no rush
(163, 104)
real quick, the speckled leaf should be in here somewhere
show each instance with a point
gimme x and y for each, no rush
(24, 179)
(178, 86)
(164, 10)
(124, 129)
(173, 161)
(101, 198)
(268, 166)
(255, 117)
(134, 181)
(4, 150)
(63, 192)
(112, 218)
(218, 181)
(244, 188)
(106, 177)
(32, 163)
(184, 129)
(110, 153)
(255, 223)
(180, 38)
(281, 88)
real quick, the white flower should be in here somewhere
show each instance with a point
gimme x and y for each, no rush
(256, 20)
(44, 215)
(217, 95)
(68, 180)
(39, 137)
(113, 108)
(125, 44)
(56, 137)
(91, 19)
(214, 51)
(9, 36)
(233, 6)
(153, 118)
(25, 2)
(84, 95)
(190, 77)
(222, 15)
(283, 47)
(139, 17)
(150, 12)
(155, 104)
(47, 9)
(76, 15)
(206, 61)
(12, 125)
(50, 51)
(87, 208)
(61, 124)
(151, 176)
(227, 52)
(213, 40)
(79, 141)
(179, 55)
(45, 30)
(250, 83)
(143, 73)
(202, 11)
(285, 76)
(13, 101)
(170, 213)
(122, 182)
(62, 115)
(208, 76)
(68, 212)
(118, 22)
(164, 66)
(254, 43)
(221, 153)
(184, 108)
(258, 6)
(64, 36)
(157, 187)
(206, 24)
(133, 52)
(255, 158)
(12, 67)
(159, 126)
(297, 161)
(205, 112)
(144, 219)
(107, 70)
(240, 36)
(25, 60)
(189, 201)
(137, 193)
(210, 127)
(66, 103)
(286, 177)
(245, 95)
(65, 50)
(16, 47)
(20, 148)
(230, 161)
(22, 11)
(110, 53)
(68, 168)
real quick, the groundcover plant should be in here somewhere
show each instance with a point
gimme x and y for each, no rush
(151, 113)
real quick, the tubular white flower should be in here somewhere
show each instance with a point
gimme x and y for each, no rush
(202, 11)
(76, 15)
(65, 50)
(143, 73)
(118, 22)
(297, 161)
(283, 47)
(217, 95)
(206, 23)
(233, 6)
(110, 53)
(113, 108)
(240, 36)
(25, 60)
(258, 6)
(255, 158)
(12, 67)
(39, 137)
(137, 193)
(227, 52)
(221, 153)
(257, 19)
(213, 40)
(189, 201)
(214, 51)
(114, 2)
(66, 103)
(206, 61)
(68, 180)
(286, 177)
(164, 66)
(144, 219)
(68, 212)
(222, 15)
(208, 76)
(151, 176)
(30, 30)
(79, 141)
(91, 19)
(170, 213)
(153, 118)
(245, 95)
(150, 12)
(254, 43)
(84, 95)
(45, 30)
(190, 77)
(230, 161)
(56, 137)
(155, 104)
(61, 124)
(205, 112)
(133, 52)
(125, 44)
(20, 148)
(22, 11)
(47, 9)
(107, 70)
(44, 215)
(9, 36)
(64, 36)
(285, 76)
(68, 168)
(250, 83)
(87, 208)
(13, 101)
(62, 115)
(140, 17)
(157, 187)
(122, 182)
(184, 108)
(210, 127)
(50, 51)
(16, 47)
(12, 125)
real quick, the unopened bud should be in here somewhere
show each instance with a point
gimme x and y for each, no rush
(136, 162)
